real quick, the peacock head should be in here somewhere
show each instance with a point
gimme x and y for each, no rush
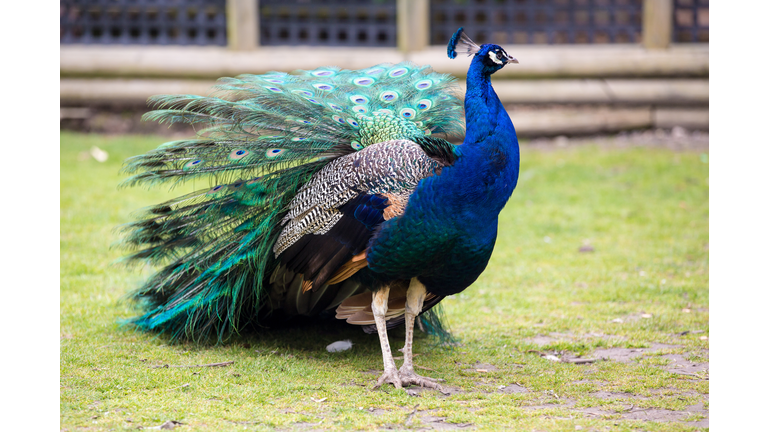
(491, 56)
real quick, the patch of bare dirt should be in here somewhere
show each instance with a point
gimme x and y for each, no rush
(589, 381)
(447, 391)
(634, 413)
(659, 414)
(543, 340)
(439, 423)
(429, 421)
(481, 367)
(308, 427)
(613, 395)
(625, 355)
(513, 388)
(679, 364)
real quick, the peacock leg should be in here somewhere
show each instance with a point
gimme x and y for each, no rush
(413, 305)
(379, 306)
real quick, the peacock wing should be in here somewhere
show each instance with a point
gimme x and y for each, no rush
(332, 218)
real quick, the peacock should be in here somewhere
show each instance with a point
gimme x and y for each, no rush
(331, 192)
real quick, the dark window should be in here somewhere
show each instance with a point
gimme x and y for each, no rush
(328, 22)
(143, 22)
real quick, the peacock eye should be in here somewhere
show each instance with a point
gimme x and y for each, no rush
(493, 55)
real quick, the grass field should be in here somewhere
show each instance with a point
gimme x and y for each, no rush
(602, 257)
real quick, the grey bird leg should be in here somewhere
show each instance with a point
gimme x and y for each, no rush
(379, 306)
(413, 304)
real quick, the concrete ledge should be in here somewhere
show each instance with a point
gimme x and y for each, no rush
(126, 91)
(550, 122)
(536, 61)
(584, 121)
(687, 118)
(604, 91)
(657, 92)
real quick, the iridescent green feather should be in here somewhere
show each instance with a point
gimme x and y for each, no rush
(262, 138)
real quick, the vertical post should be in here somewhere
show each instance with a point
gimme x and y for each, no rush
(412, 25)
(242, 25)
(657, 23)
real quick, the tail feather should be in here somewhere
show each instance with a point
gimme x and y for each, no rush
(260, 139)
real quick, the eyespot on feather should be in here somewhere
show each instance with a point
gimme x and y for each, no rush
(238, 154)
(323, 73)
(363, 81)
(358, 99)
(408, 113)
(424, 84)
(398, 72)
(389, 96)
(424, 104)
(274, 152)
(356, 145)
(304, 93)
(193, 164)
(215, 189)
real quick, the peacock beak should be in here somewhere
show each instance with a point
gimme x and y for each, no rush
(511, 59)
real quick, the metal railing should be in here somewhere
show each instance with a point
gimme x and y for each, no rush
(691, 21)
(410, 25)
(539, 21)
(143, 22)
(328, 23)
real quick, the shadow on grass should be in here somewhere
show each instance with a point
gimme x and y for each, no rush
(303, 336)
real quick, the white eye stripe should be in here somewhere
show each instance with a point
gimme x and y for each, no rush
(493, 57)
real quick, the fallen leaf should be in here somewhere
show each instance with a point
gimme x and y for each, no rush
(339, 346)
(646, 315)
(318, 400)
(686, 310)
(704, 338)
(617, 320)
(99, 154)
(482, 370)
(551, 357)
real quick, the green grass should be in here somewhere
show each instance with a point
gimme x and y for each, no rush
(643, 210)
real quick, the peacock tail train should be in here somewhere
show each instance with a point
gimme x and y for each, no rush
(262, 138)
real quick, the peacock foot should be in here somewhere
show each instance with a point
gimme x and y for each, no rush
(390, 376)
(408, 377)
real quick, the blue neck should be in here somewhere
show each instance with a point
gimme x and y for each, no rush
(490, 151)
(483, 109)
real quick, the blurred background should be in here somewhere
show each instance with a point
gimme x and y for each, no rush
(587, 67)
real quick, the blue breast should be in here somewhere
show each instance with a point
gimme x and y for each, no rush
(447, 233)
